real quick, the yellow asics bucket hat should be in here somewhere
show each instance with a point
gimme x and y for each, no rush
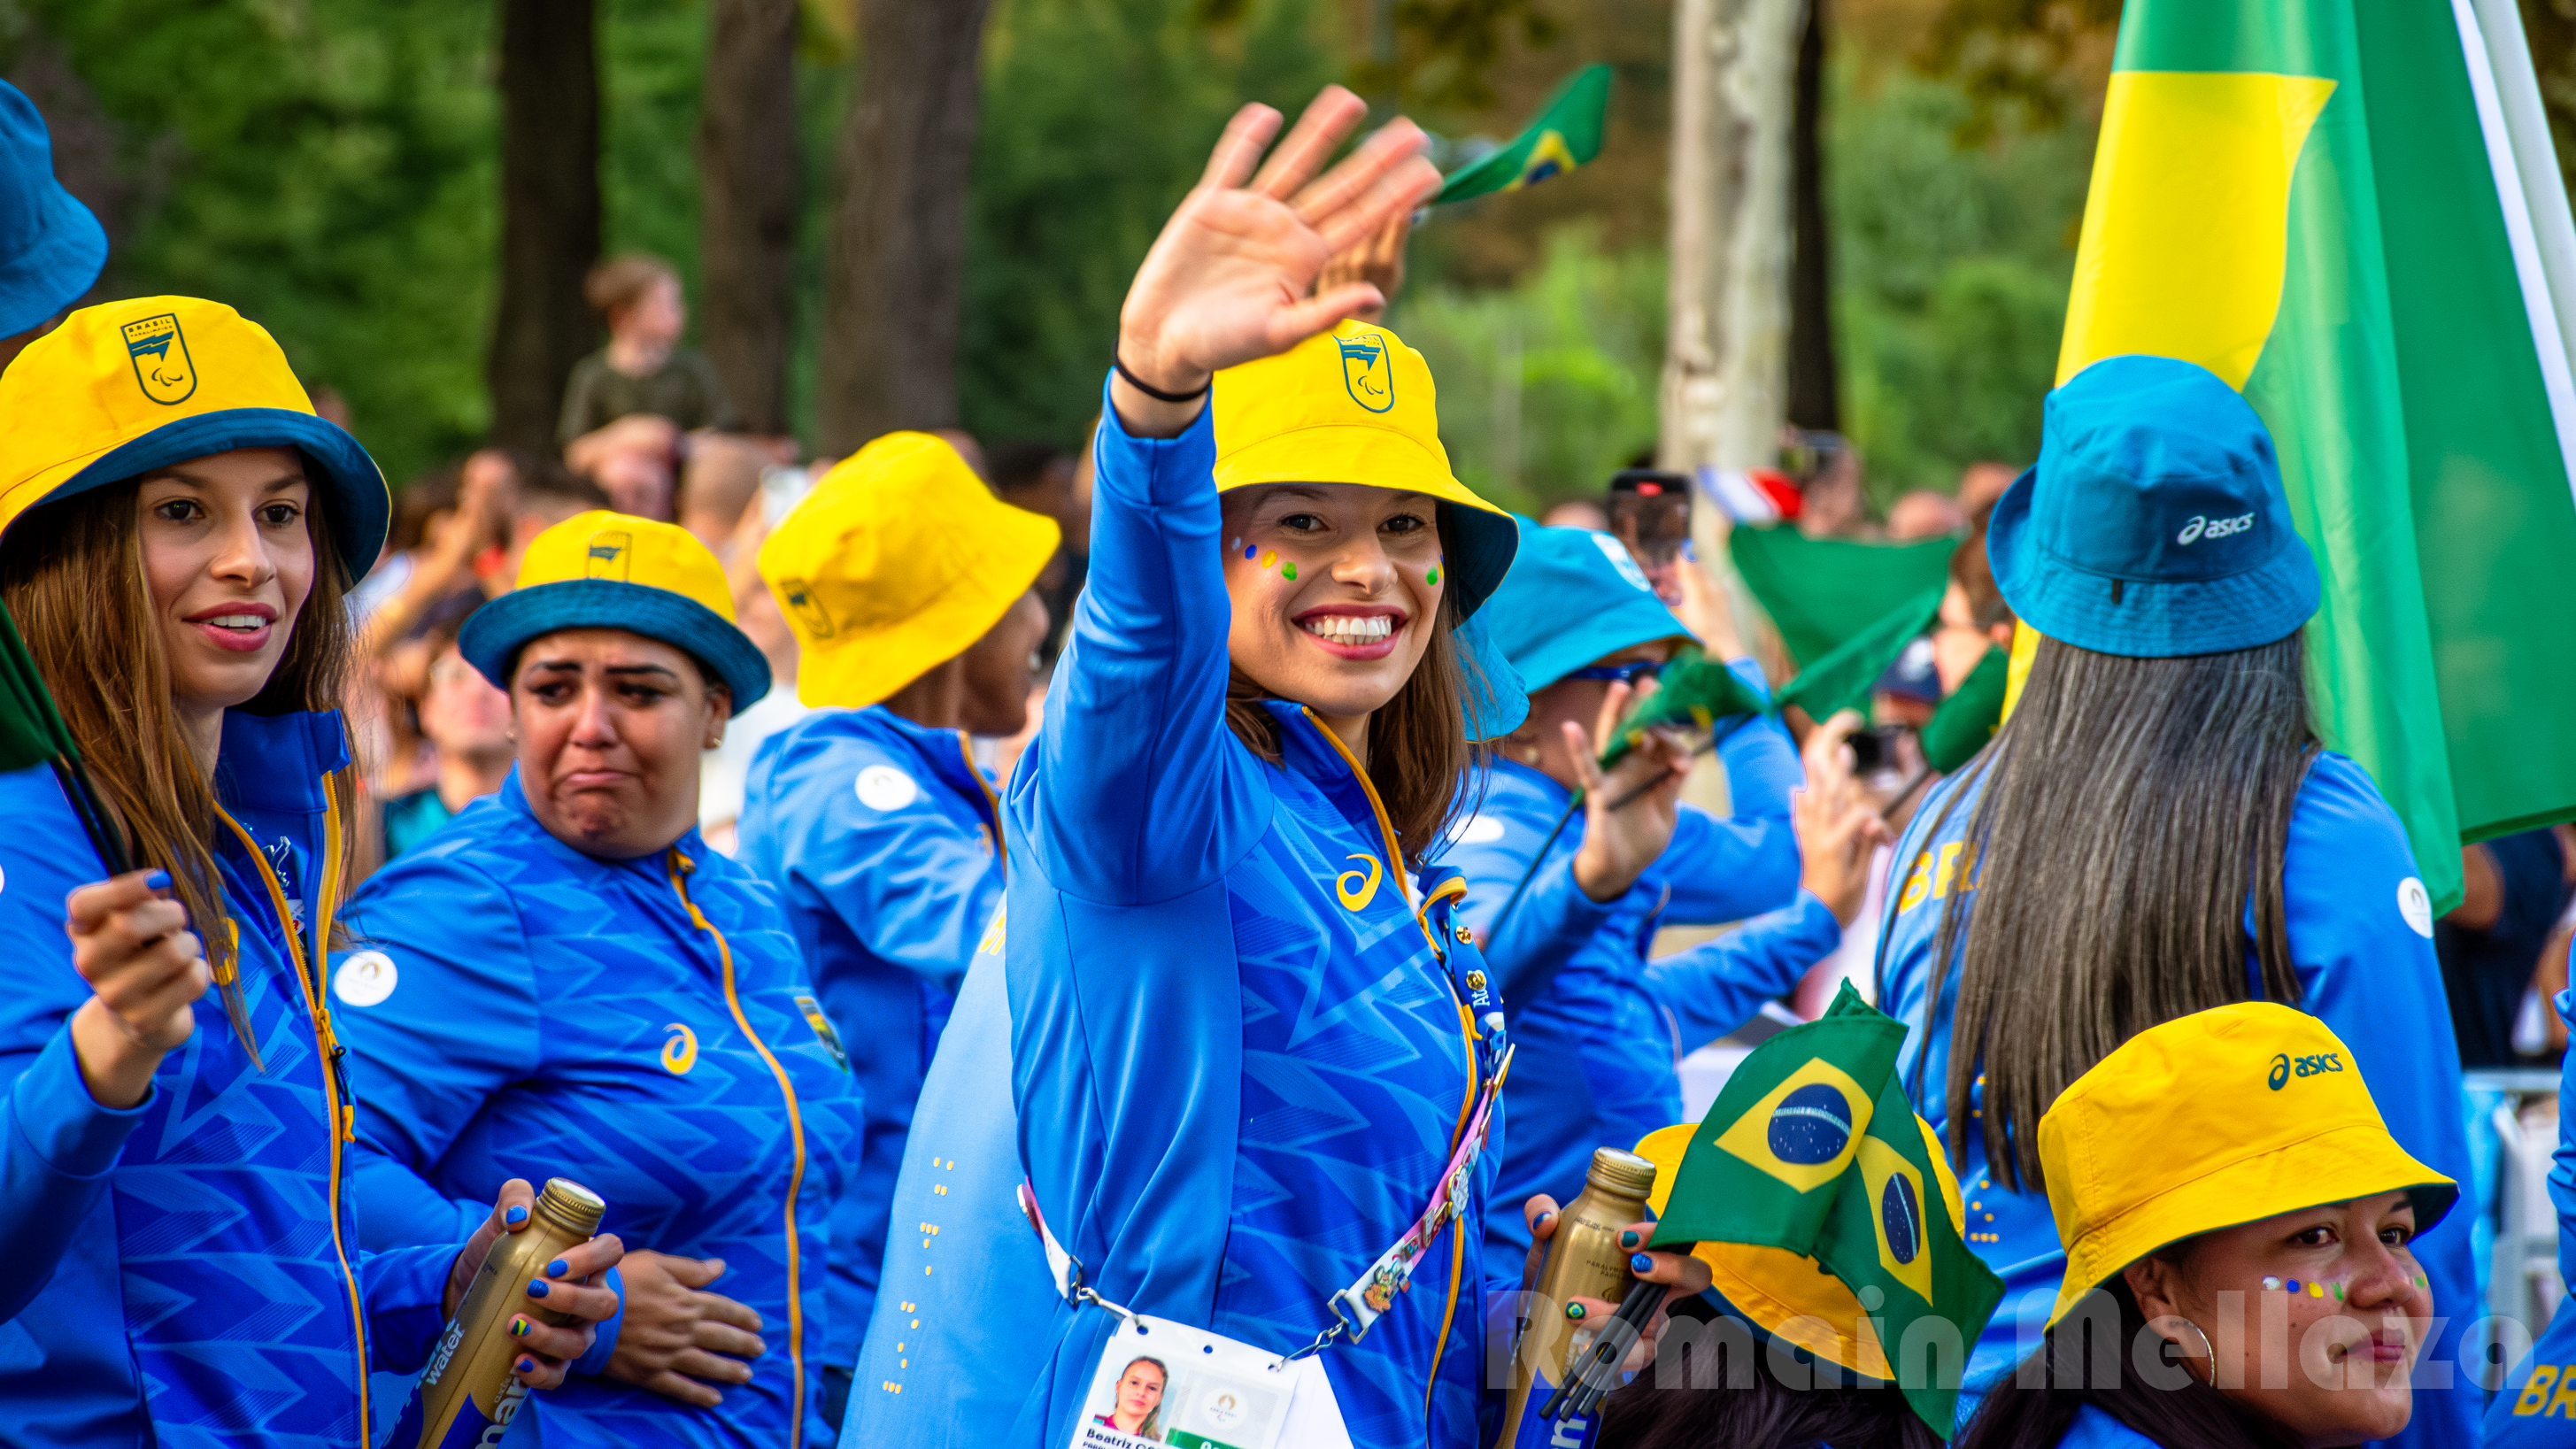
(896, 562)
(1355, 405)
(2257, 1109)
(127, 387)
(603, 570)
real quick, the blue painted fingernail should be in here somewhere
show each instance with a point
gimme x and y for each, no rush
(556, 1268)
(515, 1216)
(518, 1325)
(539, 1288)
(1640, 1263)
(527, 1365)
(1628, 1239)
(159, 880)
(1545, 1218)
(1574, 1312)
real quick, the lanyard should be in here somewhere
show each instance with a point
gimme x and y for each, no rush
(1355, 1308)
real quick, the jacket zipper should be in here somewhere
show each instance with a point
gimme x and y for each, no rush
(678, 867)
(343, 1122)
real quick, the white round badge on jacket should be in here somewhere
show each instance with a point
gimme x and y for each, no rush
(883, 787)
(2416, 905)
(366, 978)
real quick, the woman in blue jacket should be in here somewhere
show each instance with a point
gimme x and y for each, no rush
(177, 532)
(1253, 1048)
(568, 974)
(1598, 1026)
(907, 584)
(2157, 830)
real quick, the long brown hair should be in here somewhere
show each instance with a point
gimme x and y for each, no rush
(72, 576)
(1418, 751)
(2127, 810)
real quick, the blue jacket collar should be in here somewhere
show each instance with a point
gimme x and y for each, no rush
(278, 762)
(514, 800)
(941, 750)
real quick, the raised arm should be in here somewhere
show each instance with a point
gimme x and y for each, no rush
(1129, 800)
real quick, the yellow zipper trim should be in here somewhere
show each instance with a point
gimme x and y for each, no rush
(1466, 1035)
(678, 865)
(341, 1119)
(966, 747)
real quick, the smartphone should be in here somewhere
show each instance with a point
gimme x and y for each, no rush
(1650, 512)
(1806, 454)
(1875, 750)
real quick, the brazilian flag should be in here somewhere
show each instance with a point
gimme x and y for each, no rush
(1969, 717)
(1843, 678)
(32, 733)
(1812, 1149)
(1566, 134)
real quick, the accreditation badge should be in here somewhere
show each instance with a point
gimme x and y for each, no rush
(1160, 1382)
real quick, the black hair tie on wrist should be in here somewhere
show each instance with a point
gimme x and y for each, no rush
(1156, 393)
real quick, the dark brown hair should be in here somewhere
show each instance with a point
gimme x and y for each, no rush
(2092, 1358)
(2123, 815)
(1418, 751)
(72, 575)
(1716, 1385)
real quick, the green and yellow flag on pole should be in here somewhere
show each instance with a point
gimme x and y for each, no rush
(2353, 214)
(1565, 134)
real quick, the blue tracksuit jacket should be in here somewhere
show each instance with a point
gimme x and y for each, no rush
(1597, 1045)
(1241, 1052)
(188, 1272)
(2366, 969)
(2536, 1408)
(882, 840)
(642, 1027)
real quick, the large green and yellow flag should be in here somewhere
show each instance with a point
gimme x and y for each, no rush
(1565, 134)
(2353, 214)
(1827, 1212)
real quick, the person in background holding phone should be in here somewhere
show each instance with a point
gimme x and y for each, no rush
(1650, 512)
(1599, 1025)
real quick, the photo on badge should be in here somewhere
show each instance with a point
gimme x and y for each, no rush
(1166, 1383)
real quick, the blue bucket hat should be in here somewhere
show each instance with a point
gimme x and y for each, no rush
(51, 248)
(2154, 524)
(1572, 596)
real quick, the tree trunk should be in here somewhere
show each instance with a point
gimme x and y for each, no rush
(549, 214)
(1726, 360)
(897, 255)
(751, 179)
(1814, 394)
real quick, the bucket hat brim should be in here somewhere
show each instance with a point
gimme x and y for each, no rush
(360, 509)
(2339, 1164)
(856, 668)
(47, 278)
(494, 635)
(2144, 619)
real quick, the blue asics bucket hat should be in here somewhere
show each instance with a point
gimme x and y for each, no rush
(51, 248)
(1572, 596)
(2154, 524)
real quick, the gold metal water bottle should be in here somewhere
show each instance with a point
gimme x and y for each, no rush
(1584, 1260)
(467, 1395)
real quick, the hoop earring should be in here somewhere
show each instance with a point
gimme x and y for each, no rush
(2207, 1349)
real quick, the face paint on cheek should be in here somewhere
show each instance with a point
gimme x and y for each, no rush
(1432, 579)
(1288, 571)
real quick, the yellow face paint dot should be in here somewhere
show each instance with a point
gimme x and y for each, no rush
(1269, 556)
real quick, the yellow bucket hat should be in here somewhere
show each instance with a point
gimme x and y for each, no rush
(896, 562)
(127, 387)
(2262, 1110)
(603, 570)
(1355, 405)
(1790, 1295)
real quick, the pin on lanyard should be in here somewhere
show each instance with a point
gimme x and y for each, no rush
(1355, 1308)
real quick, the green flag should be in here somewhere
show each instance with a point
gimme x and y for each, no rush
(1969, 717)
(2354, 215)
(1843, 677)
(1812, 1148)
(31, 733)
(1695, 692)
(1820, 592)
(1566, 134)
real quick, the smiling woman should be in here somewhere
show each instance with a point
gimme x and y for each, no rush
(177, 532)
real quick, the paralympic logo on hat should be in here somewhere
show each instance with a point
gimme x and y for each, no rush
(169, 377)
(608, 556)
(1368, 370)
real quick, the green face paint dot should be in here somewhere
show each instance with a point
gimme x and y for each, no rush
(1434, 576)
(1288, 572)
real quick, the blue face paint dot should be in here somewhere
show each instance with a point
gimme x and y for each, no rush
(2294, 1285)
(1249, 550)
